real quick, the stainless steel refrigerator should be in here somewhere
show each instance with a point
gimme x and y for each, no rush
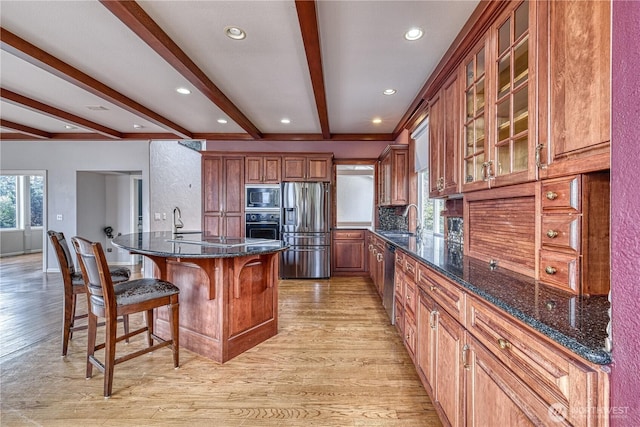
(305, 227)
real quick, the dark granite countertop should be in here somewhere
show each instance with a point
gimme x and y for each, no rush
(578, 323)
(194, 245)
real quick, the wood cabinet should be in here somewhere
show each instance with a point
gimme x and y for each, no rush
(315, 167)
(481, 366)
(575, 83)
(574, 233)
(393, 176)
(499, 138)
(376, 250)
(263, 169)
(444, 140)
(349, 256)
(223, 196)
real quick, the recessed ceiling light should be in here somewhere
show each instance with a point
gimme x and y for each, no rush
(285, 121)
(137, 126)
(235, 33)
(413, 34)
(222, 121)
(70, 127)
(389, 91)
(376, 121)
(183, 91)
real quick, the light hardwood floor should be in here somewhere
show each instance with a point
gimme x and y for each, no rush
(334, 362)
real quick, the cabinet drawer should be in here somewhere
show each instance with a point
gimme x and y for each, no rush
(348, 235)
(446, 294)
(561, 195)
(554, 376)
(560, 270)
(561, 231)
(410, 266)
(399, 261)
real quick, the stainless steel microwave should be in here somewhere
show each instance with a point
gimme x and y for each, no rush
(262, 196)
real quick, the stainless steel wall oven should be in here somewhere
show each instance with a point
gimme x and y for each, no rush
(263, 225)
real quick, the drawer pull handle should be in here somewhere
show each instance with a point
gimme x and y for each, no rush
(550, 270)
(552, 233)
(552, 195)
(465, 355)
(503, 344)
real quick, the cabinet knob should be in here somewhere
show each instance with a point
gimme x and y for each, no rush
(432, 288)
(551, 195)
(503, 344)
(550, 270)
(552, 233)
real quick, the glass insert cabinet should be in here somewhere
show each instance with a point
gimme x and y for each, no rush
(498, 144)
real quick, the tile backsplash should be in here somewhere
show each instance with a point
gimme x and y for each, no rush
(390, 219)
(455, 233)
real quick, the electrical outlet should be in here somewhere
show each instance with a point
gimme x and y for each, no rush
(59, 217)
(164, 216)
(109, 249)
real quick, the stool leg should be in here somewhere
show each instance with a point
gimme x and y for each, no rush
(125, 323)
(92, 321)
(110, 354)
(149, 317)
(175, 330)
(69, 305)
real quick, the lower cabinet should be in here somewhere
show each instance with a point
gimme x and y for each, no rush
(348, 253)
(482, 367)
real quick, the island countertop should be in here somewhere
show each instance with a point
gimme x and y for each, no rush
(195, 245)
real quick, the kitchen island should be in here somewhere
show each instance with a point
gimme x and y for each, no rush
(228, 288)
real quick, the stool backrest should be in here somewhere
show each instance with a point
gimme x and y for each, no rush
(95, 271)
(59, 243)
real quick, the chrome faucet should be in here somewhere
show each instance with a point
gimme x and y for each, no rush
(177, 220)
(418, 228)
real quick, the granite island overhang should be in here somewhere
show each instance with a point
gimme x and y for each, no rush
(228, 288)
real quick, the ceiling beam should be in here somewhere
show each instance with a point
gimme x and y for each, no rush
(56, 113)
(23, 129)
(308, 20)
(138, 21)
(13, 44)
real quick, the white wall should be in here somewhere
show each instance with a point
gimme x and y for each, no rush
(175, 180)
(62, 160)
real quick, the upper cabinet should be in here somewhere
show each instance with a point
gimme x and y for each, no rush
(393, 176)
(222, 196)
(313, 167)
(444, 137)
(575, 85)
(263, 169)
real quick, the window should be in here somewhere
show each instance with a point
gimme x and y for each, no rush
(354, 195)
(21, 201)
(430, 219)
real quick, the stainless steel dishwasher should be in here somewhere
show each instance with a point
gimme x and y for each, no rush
(388, 293)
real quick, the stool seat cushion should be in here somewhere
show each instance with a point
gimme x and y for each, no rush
(139, 290)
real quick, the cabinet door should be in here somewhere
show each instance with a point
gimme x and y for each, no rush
(426, 346)
(513, 140)
(399, 177)
(234, 185)
(319, 169)
(212, 179)
(272, 170)
(579, 85)
(449, 376)
(474, 140)
(294, 168)
(253, 166)
(495, 397)
(436, 142)
(348, 256)
(449, 158)
(385, 181)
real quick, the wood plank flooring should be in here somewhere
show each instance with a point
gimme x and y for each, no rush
(334, 362)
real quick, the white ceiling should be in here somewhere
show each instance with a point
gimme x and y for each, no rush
(265, 77)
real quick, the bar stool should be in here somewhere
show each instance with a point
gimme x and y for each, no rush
(74, 284)
(109, 302)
